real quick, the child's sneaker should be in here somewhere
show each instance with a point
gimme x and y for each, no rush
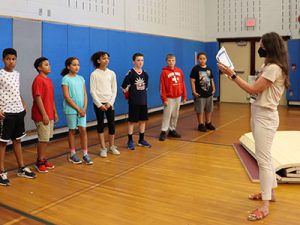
(103, 152)
(144, 143)
(209, 126)
(174, 134)
(130, 145)
(87, 160)
(3, 179)
(26, 172)
(74, 159)
(113, 149)
(48, 165)
(202, 128)
(162, 136)
(40, 167)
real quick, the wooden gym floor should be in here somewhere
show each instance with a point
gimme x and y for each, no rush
(197, 179)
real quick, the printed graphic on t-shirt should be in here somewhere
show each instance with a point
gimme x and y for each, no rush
(175, 77)
(204, 80)
(140, 84)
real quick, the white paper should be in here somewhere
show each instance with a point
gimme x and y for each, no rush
(223, 57)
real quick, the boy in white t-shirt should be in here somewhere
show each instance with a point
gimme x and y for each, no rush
(12, 113)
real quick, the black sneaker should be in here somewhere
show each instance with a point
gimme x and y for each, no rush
(209, 126)
(26, 172)
(174, 134)
(162, 136)
(3, 179)
(202, 128)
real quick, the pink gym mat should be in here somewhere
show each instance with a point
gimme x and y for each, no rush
(248, 162)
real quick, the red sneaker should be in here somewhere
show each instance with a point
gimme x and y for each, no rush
(40, 167)
(48, 165)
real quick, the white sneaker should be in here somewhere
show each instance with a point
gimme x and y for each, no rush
(103, 152)
(113, 149)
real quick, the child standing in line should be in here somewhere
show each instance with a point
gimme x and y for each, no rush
(12, 113)
(43, 112)
(135, 86)
(172, 88)
(75, 103)
(203, 89)
(103, 88)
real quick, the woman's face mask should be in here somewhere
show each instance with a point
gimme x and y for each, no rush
(262, 52)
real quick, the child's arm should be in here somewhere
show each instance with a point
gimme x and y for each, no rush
(126, 86)
(184, 88)
(40, 105)
(85, 99)
(23, 103)
(93, 90)
(162, 87)
(114, 92)
(213, 86)
(193, 87)
(2, 116)
(55, 112)
(69, 100)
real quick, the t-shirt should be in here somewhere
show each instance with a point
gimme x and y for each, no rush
(76, 92)
(10, 99)
(138, 87)
(103, 86)
(203, 80)
(270, 97)
(42, 86)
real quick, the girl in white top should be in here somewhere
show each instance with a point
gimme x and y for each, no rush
(103, 88)
(268, 89)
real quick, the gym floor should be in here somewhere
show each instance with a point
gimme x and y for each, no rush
(197, 179)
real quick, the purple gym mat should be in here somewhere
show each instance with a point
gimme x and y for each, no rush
(248, 162)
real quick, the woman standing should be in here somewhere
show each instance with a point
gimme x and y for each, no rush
(266, 92)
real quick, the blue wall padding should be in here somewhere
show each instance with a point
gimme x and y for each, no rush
(211, 49)
(6, 35)
(55, 48)
(79, 46)
(119, 63)
(293, 93)
(60, 41)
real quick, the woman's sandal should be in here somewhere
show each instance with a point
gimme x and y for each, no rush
(258, 197)
(257, 214)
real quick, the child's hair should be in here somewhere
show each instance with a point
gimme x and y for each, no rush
(68, 62)
(170, 56)
(135, 55)
(96, 56)
(201, 53)
(38, 62)
(9, 51)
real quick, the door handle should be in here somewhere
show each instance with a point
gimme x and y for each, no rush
(239, 71)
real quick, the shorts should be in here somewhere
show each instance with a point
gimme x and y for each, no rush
(75, 121)
(137, 113)
(12, 127)
(203, 104)
(45, 132)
